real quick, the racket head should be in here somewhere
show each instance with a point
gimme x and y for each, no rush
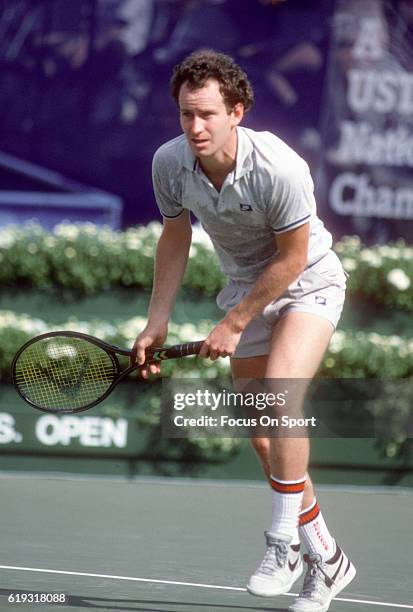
(64, 372)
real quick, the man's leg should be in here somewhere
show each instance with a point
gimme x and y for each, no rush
(288, 358)
(273, 582)
(255, 368)
(268, 580)
(298, 344)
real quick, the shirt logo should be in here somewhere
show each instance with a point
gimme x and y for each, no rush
(245, 207)
(320, 299)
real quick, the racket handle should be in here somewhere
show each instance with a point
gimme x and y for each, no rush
(179, 350)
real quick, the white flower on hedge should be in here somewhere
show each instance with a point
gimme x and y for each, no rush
(337, 342)
(7, 318)
(33, 326)
(147, 251)
(134, 238)
(89, 228)
(106, 235)
(395, 341)
(154, 228)
(373, 337)
(131, 328)
(32, 227)
(32, 248)
(23, 322)
(102, 329)
(371, 257)
(7, 238)
(66, 230)
(50, 242)
(406, 253)
(391, 252)
(70, 252)
(140, 232)
(73, 324)
(399, 279)
(133, 244)
(189, 333)
(349, 264)
(351, 242)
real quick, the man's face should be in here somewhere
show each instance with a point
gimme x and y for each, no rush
(205, 119)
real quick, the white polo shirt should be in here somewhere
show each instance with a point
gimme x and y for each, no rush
(270, 191)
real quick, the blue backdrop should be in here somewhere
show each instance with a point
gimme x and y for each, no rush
(84, 84)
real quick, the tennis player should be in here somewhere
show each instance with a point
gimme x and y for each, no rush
(254, 197)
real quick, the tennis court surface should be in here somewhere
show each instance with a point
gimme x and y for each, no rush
(183, 546)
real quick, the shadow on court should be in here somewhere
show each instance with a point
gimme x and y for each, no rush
(131, 605)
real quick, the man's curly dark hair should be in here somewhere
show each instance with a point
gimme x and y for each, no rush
(206, 64)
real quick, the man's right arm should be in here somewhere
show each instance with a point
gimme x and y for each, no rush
(170, 264)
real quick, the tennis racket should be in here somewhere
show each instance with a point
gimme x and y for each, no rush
(66, 372)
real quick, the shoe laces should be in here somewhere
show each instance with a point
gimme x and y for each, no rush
(275, 557)
(312, 578)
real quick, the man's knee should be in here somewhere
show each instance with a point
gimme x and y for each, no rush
(261, 446)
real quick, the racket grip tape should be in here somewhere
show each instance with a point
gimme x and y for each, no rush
(179, 350)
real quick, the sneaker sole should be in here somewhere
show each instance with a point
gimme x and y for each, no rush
(272, 593)
(334, 592)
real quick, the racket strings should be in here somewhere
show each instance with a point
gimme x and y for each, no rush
(64, 372)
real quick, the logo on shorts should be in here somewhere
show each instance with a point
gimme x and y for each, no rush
(245, 207)
(320, 299)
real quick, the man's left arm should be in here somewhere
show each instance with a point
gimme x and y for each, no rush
(289, 263)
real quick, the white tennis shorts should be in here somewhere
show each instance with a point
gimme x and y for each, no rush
(319, 290)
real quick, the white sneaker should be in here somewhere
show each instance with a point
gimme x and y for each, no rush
(279, 569)
(323, 581)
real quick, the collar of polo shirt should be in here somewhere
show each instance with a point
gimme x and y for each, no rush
(243, 163)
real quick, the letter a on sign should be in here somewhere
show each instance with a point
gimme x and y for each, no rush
(370, 39)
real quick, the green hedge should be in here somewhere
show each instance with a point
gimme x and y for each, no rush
(350, 354)
(88, 259)
(383, 274)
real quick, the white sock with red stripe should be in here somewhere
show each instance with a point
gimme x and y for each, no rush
(314, 533)
(287, 498)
